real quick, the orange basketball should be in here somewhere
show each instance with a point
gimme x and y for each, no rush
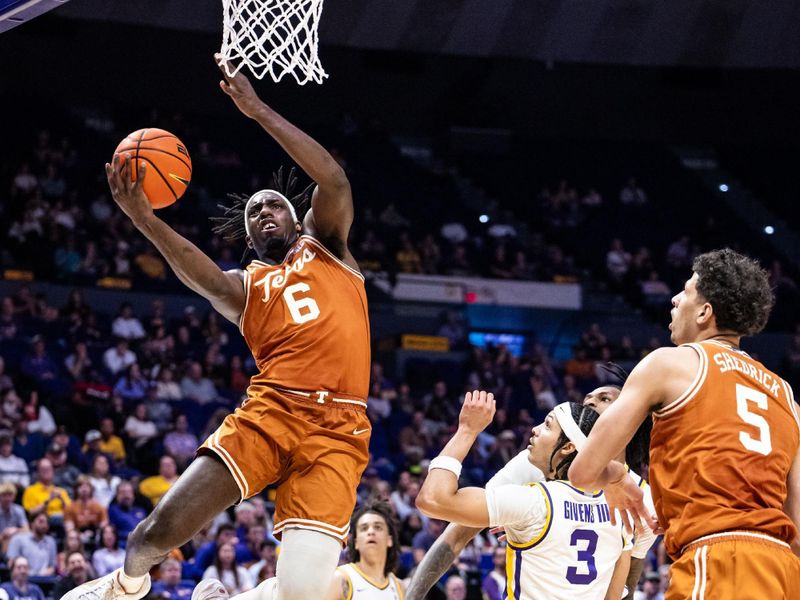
(169, 168)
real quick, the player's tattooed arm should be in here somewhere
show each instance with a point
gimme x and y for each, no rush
(435, 563)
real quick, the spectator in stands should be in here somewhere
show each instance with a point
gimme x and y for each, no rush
(495, 582)
(132, 386)
(5, 381)
(25, 182)
(44, 495)
(618, 261)
(19, 588)
(119, 357)
(13, 469)
(126, 325)
(204, 557)
(109, 556)
(150, 265)
(72, 542)
(430, 255)
(153, 488)
(195, 386)
(655, 290)
(36, 546)
(391, 217)
(166, 386)
(110, 442)
(650, 588)
(77, 574)
(679, 253)
(38, 366)
(238, 380)
(85, 513)
(234, 577)
(141, 431)
(123, 513)
(181, 444)
(169, 585)
(458, 263)
(8, 321)
(249, 547)
(65, 475)
(268, 557)
(543, 395)
(407, 258)
(424, 539)
(632, 194)
(455, 588)
(78, 362)
(12, 516)
(38, 418)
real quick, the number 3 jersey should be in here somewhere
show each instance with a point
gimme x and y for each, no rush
(720, 453)
(306, 323)
(561, 543)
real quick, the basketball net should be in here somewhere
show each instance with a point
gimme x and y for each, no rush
(273, 36)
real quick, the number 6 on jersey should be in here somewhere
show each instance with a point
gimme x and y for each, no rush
(302, 309)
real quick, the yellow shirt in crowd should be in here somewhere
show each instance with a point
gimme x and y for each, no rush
(38, 493)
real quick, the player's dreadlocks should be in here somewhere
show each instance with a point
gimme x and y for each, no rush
(637, 452)
(231, 225)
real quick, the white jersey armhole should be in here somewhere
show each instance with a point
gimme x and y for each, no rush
(691, 391)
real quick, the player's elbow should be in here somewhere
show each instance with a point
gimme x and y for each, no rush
(428, 502)
(579, 475)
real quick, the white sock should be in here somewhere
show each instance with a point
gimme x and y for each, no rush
(130, 584)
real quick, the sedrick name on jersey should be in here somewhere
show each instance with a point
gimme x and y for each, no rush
(278, 278)
(727, 362)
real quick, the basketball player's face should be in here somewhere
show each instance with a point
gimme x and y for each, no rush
(372, 536)
(270, 225)
(601, 398)
(543, 440)
(687, 306)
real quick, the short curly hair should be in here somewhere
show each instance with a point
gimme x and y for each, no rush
(737, 288)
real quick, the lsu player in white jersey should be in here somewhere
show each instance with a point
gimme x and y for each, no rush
(519, 470)
(372, 548)
(561, 543)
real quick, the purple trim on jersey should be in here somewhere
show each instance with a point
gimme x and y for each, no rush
(549, 522)
(581, 492)
(518, 574)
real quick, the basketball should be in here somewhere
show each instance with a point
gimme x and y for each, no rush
(169, 167)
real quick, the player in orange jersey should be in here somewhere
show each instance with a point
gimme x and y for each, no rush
(724, 459)
(302, 309)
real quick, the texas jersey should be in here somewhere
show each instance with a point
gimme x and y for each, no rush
(306, 323)
(561, 543)
(362, 587)
(721, 452)
(520, 471)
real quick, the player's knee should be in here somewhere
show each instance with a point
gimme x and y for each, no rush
(152, 535)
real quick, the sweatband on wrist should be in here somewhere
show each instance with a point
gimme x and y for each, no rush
(448, 463)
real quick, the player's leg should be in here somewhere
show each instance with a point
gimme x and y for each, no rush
(204, 490)
(439, 558)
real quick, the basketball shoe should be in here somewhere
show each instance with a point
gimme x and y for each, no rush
(210, 589)
(107, 588)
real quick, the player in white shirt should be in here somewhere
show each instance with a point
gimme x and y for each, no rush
(519, 470)
(562, 545)
(372, 548)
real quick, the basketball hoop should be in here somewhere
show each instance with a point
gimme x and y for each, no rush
(273, 36)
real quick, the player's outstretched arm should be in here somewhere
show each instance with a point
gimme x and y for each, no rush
(439, 559)
(439, 497)
(792, 506)
(340, 588)
(225, 290)
(332, 202)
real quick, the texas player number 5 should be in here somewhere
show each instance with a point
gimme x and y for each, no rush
(302, 308)
(763, 443)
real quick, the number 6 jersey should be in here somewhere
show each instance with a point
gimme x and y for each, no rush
(306, 323)
(561, 543)
(720, 453)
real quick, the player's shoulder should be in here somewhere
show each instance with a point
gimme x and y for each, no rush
(672, 361)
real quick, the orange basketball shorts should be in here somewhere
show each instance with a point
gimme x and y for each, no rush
(735, 567)
(314, 447)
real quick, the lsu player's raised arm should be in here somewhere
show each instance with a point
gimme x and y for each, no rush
(225, 290)
(792, 506)
(662, 376)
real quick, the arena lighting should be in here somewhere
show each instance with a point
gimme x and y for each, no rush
(769, 230)
(723, 187)
(483, 218)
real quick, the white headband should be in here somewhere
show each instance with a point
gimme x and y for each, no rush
(277, 193)
(563, 414)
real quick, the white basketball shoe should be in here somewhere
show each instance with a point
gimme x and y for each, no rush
(210, 589)
(107, 588)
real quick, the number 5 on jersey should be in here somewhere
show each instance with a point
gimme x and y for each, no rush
(763, 443)
(302, 308)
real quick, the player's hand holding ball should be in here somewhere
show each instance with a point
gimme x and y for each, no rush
(477, 412)
(128, 194)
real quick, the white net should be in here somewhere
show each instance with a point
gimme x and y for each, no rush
(273, 36)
